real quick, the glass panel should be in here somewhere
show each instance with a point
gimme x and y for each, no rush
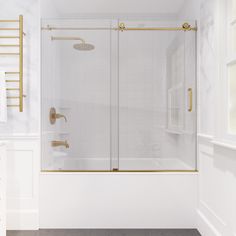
(124, 104)
(156, 68)
(232, 99)
(76, 82)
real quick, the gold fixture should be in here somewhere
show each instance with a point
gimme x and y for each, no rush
(190, 97)
(121, 27)
(53, 116)
(120, 171)
(56, 143)
(19, 81)
(185, 27)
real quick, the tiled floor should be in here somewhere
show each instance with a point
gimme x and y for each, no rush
(109, 232)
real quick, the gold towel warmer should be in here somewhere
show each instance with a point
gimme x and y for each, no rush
(20, 37)
(121, 27)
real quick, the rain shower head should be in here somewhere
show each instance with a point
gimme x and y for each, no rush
(83, 46)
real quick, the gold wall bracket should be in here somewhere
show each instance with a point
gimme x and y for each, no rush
(121, 27)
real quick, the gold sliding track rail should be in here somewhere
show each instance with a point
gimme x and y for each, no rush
(121, 27)
(119, 171)
(19, 81)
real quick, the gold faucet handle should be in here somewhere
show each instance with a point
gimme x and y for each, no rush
(53, 116)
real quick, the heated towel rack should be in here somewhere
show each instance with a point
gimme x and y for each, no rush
(19, 37)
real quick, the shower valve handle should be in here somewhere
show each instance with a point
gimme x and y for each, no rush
(53, 116)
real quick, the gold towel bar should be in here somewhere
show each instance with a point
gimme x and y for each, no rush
(7, 80)
(15, 89)
(9, 29)
(121, 27)
(19, 44)
(13, 97)
(9, 45)
(13, 105)
(9, 54)
(11, 72)
(9, 37)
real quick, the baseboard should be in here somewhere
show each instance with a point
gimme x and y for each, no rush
(205, 227)
(22, 220)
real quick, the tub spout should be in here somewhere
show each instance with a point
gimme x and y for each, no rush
(56, 143)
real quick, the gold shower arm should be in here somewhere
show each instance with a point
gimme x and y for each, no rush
(68, 38)
(19, 36)
(190, 97)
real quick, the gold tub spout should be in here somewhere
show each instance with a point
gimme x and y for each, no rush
(56, 143)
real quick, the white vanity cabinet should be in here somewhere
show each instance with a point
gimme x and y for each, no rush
(2, 189)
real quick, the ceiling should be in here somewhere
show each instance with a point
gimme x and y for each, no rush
(76, 7)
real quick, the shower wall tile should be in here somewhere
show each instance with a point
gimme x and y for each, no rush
(26, 122)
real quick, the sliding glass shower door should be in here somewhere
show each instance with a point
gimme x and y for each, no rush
(118, 97)
(76, 81)
(157, 97)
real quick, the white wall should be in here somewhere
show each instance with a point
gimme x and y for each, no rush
(217, 173)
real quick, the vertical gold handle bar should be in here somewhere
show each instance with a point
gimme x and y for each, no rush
(21, 34)
(190, 97)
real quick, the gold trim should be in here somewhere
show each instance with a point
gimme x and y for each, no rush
(11, 89)
(21, 35)
(9, 45)
(12, 73)
(9, 54)
(121, 27)
(20, 54)
(9, 29)
(13, 105)
(9, 37)
(12, 81)
(13, 97)
(121, 171)
(73, 28)
(5, 21)
(185, 27)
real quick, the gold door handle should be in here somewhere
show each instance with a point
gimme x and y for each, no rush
(190, 100)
